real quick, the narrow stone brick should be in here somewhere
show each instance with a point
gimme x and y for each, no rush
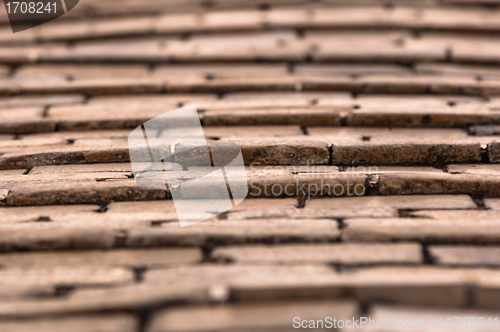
(290, 152)
(81, 192)
(274, 315)
(435, 153)
(24, 121)
(465, 255)
(303, 117)
(63, 73)
(418, 286)
(427, 226)
(153, 258)
(380, 207)
(127, 298)
(384, 47)
(14, 215)
(43, 237)
(222, 85)
(235, 232)
(421, 118)
(406, 183)
(211, 72)
(40, 101)
(254, 131)
(89, 168)
(85, 275)
(345, 254)
(474, 169)
(248, 100)
(93, 87)
(386, 135)
(107, 323)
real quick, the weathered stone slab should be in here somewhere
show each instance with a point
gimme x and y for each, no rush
(116, 258)
(51, 237)
(343, 253)
(289, 152)
(439, 183)
(274, 316)
(303, 117)
(465, 255)
(428, 226)
(435, 153)
(40, 101)
(215, 231)
(105, 323)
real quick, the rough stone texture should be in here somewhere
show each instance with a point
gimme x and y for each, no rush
(345, 254)
(241, 317)
(290, 152)
(405, 154)
(494, 152)
(303, 117)
(406, 183)
(81, 192)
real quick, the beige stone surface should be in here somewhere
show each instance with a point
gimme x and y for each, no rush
(104, 323)
(407, 183)
(118, 258)
(265, 230)
(427, 226)
(273, 316)
(344, 253)
(466, 255)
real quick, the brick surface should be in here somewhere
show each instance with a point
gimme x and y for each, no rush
(24, 120)
(274, 316)
(303, 117)
(370, 135)
(108, 323)
(117, 258)
(411, 153)
(426, 285)
(379, 207)
(345, 254)
(52, 237)
(428, 226)
(465, 255)
(406, 183)
(290, 152)
(212, 232)
(126, 298)
(492, 203)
